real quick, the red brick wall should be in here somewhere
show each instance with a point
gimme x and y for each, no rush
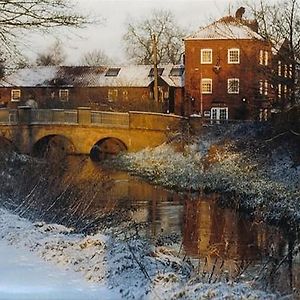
(248, 72)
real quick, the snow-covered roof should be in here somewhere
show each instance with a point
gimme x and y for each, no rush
(125, 76)
(227, 28)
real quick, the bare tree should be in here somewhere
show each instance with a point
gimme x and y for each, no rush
(54, 56)
(18, 16)
(138, 39)
(280, 21)
(95, 57)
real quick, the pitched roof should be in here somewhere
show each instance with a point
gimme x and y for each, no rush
(227, 28)
(126, 76)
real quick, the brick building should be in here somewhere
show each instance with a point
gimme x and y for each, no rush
(227, 66)
(102, 88)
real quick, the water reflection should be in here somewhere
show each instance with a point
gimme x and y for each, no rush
(222, 239)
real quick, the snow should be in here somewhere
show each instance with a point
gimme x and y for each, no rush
(115, 266)
(129, 76)
(25, 276)
(225, 30)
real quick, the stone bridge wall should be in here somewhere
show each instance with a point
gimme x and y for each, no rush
(83, 128)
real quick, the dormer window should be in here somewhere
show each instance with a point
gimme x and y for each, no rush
(176, 71)
(159, 72)
(113, 72)
(234, 56)
(206, 56)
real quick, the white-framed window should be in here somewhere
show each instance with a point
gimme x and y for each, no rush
(291, 71)
(234, 56)
(206, 56)
(266, 85)
(266, 58)
(285, 91)
(112, 94)
(263, 57)
(279, 90)
(285, 71)
(219, 113)
(15, 95)
(63, 95)
(263, 87)
(206, 86)
(279, 68)
(233, 86)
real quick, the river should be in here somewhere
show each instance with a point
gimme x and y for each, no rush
(219, 241)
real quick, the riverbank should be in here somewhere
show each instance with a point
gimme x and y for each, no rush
(130, 268)
(257, 169)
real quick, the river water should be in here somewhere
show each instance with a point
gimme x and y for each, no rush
(219, 241)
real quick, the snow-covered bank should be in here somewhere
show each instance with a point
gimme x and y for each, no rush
(131, 268)
(25, 276)
(238, 160)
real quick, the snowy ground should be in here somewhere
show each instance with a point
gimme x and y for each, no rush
(84, 267)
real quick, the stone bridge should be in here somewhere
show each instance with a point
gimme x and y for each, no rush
(82, 131)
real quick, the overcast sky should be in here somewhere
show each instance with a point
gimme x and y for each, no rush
(191, 14)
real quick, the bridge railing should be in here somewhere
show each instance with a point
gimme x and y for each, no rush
(8, 116)
(44, 116)
(110, 118)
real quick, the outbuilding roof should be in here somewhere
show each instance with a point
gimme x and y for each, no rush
(227, 28)
(103, 76)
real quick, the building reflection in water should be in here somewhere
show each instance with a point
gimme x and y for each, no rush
(219, 237)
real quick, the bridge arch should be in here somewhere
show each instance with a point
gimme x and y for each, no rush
(7, 145)
(106, 147)
(53, 146)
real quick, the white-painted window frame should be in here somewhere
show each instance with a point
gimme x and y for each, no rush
(231, 83)
(13, 98)
(61, 95)
(206, 82)
(229, 56)
(202, 56)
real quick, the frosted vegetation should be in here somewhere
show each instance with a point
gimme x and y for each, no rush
(127, 265)
(254, 170)
(255, 173)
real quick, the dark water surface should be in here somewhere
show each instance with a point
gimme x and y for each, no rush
(219, 241)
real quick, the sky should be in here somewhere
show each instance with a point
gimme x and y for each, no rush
(114, 14)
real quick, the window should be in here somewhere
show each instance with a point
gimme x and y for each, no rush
(266, 87)
(285, 90)
(15, 95)
(125, 95)
(206, 86)
(159, 72)
(261, 57)
(291, 71)
(233, 56)
(176, 71)
(219, 113)
(285, 71)
(206, 56)
(63, 95)
(263, 87)
(279, 90)
(113, 72)
(233, 86)
(266, 58)
(279, 68)
(112, 94)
